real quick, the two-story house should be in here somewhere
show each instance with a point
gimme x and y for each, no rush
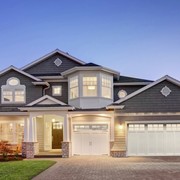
(60, 102)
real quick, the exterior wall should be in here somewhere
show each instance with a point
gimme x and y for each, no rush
(151, 100)
(128, 89)
(40, 133)
(32, 92)
(47, 66)
(118, 147)
(64, 96)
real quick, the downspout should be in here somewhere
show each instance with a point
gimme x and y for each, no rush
(44, 90)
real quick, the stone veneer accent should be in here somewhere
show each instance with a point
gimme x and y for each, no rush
(66, 149)
(29, 149)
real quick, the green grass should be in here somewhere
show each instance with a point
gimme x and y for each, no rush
(23, 170)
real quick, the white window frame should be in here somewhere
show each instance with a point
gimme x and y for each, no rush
(73, 87)
(53, 90)
(13, 89)
(106, 85)
(90, 83)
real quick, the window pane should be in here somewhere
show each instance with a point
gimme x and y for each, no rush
(19, 96)
(74, 89)
(106, 86)
(7, 96)
(74, 93)
(89, 86)
(57, 90)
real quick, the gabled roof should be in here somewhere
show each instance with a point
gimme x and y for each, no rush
(20, 71)
(50, 54)
(168, 78)
(46, 100)
(91, 64)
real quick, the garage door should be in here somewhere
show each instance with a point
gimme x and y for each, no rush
(153, 139)
(90, 139)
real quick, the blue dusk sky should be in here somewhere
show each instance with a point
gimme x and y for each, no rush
(139, 38)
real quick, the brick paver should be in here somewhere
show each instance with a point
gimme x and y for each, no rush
(108, 168)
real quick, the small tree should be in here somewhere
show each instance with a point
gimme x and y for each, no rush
(4, 149)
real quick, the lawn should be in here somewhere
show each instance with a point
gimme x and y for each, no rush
(23, 170)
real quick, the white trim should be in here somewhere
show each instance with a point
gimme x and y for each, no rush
(50, 54)
(148, 114)
(44, 98)
(51, 77)
(131, 83)
(14, 113)
(45, 108)
(20, 71)
(172, 80)
(89, 68)
(115, 107)
(41, 83)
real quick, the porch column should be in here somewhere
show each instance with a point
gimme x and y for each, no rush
(66, 129)
(26, 129)
(30, 145)
(66, 144)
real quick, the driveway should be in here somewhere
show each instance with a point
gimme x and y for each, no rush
(108, 168)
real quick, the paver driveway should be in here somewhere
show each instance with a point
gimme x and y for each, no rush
(108, 168)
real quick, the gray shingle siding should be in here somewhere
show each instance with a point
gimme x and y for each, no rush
(32, 92)
(128, 89)
(47, 66)
(64, 97)
(151, 100)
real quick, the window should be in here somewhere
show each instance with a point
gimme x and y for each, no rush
(74, 92)
(57, 90)
(106, 86)
(90, 86)
(122, 93)
(155, 127)
(136, 127)
(173, 127)
(13, 91)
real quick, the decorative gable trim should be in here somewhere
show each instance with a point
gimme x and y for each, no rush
(20, 71)
(50, 54)
(168, 78)
(46, 100)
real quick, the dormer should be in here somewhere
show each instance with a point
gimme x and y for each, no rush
(90, 86)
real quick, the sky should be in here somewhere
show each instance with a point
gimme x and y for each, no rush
(138, 38)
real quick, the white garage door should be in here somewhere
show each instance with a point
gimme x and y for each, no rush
(90, 139)
(153, 139)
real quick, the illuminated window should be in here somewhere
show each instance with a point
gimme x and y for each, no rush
(155, 127)
(90, 86)
(74, 92)
(57, 90)
(13, 91)
(106, 86)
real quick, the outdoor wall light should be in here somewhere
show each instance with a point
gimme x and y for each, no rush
(53, 120)
(120, 126)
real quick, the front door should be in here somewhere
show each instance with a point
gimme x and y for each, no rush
(57, 135)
